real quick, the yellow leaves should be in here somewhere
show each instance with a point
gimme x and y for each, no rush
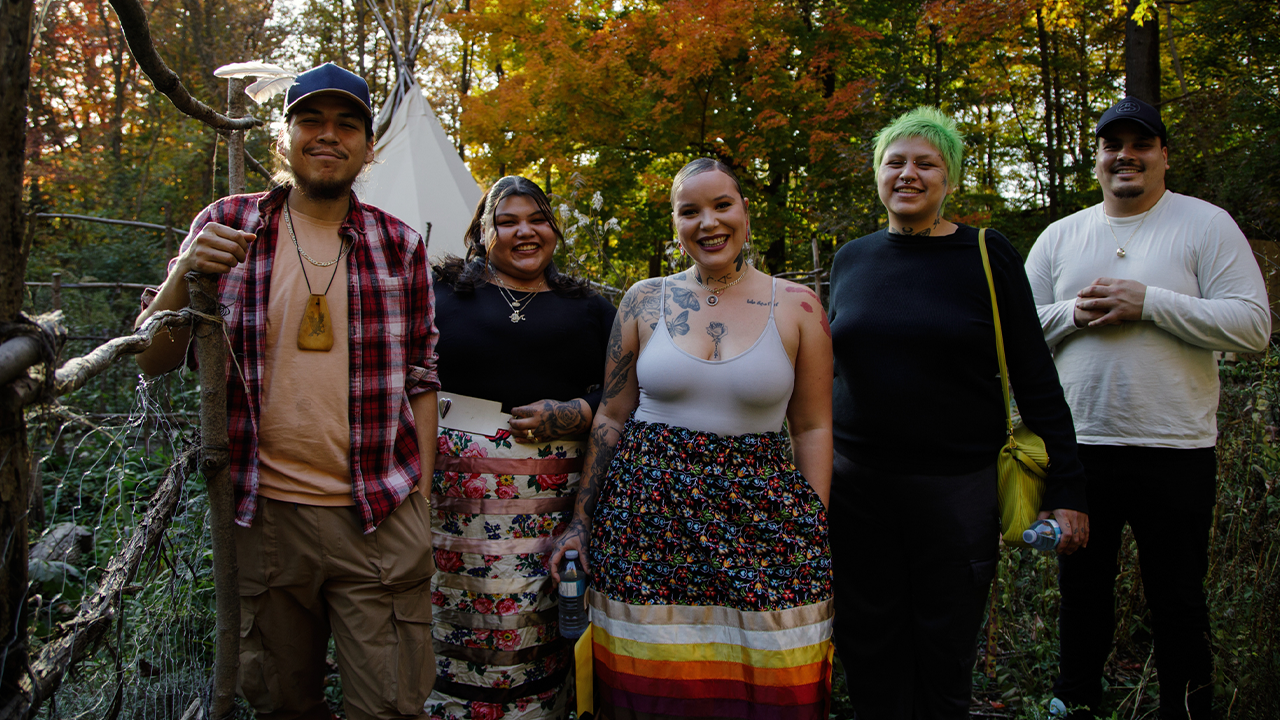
(1060, 14)
(1143, 11)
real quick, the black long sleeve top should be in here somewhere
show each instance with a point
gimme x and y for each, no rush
(917, 378)
(556, 352)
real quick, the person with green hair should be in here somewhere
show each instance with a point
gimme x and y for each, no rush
(918, 422)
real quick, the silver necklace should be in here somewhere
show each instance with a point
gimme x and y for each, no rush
(510, 298)
(288, 221)
(714, 297)
(1120, 253)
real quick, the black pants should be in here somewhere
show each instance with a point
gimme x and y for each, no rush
(913, 558)
(1166, 495)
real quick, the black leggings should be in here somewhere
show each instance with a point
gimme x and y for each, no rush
(913, 558)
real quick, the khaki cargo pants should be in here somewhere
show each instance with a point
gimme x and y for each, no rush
(307, 571)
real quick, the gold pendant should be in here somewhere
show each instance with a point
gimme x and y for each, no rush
(315, 332)
(515, 316)
(1120, 252)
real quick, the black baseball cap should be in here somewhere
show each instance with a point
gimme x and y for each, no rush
(1131, 108)
(329, 78)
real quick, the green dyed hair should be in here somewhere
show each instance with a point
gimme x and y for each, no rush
(933, 125)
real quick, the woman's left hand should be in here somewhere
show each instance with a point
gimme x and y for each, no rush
(1075, 529)
(549, 420)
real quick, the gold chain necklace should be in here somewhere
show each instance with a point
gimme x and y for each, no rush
(510, 298)
(714, 297)
(288, 220)
(1120, 253)
(315, 332)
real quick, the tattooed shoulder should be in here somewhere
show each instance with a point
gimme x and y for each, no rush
(641, 301)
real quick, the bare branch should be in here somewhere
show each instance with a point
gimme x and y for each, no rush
(111, 221)
(80, 635)
(257, 167)
(76, 372)
(137, 30)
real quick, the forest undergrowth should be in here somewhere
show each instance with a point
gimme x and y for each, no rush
(103, 450)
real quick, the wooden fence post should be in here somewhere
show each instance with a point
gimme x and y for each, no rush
(215, 459)
(57, 291)
(235, 144)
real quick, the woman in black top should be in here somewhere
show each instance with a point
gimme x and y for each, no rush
(515, 331)
(918, 424)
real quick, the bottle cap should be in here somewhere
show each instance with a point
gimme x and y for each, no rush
(1029, 536)
(570, 554)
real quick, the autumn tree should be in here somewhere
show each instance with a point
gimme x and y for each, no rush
(626, 94)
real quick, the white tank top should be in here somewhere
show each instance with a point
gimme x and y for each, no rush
(747, 393)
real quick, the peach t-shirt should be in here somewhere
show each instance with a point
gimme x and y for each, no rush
(304, 430)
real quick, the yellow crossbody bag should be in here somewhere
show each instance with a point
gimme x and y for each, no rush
(1023, 460)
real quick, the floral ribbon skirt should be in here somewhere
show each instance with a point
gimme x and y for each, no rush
(497, 506)
(711, 594)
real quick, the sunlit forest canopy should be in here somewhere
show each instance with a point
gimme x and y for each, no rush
(612, 97)
(601, 102)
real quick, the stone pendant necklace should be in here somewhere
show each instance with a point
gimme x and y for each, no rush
(316, 330)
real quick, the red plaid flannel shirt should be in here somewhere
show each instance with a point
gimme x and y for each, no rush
(391, 310)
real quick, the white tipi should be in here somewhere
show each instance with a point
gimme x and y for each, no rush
(417, 174)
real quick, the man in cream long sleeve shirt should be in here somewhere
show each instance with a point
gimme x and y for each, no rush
(1135, 294)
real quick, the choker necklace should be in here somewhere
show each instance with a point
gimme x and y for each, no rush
(1120, 253)
(510, 298)
(315, 332)
(714, 297)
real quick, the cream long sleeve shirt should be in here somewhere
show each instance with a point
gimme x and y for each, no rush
(1152, 382)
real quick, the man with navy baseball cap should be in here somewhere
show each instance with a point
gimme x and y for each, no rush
(1135, 294)
(331, 409)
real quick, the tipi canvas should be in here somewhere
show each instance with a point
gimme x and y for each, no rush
(418, 177)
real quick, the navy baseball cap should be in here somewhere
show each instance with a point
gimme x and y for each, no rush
(1131, 108)
(329, 78)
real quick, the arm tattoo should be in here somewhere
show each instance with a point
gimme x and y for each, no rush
(617, 379)
(600, 451)
(716, 331)
(614, 349)
(643, 304)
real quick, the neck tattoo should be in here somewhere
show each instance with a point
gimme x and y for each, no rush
(714, 297)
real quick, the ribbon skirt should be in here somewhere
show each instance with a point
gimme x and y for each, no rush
(497, 507)
(712, 589)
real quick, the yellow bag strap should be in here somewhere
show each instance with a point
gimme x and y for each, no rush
(995, 315)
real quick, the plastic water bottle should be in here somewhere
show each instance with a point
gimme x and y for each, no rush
(1043, 535)
(573, 589)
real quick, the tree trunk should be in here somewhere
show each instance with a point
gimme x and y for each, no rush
(1050, 134)
(15, 65)
(1142, 57)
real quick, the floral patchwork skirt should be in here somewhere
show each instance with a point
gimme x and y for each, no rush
(497, 507)
(711, 594)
